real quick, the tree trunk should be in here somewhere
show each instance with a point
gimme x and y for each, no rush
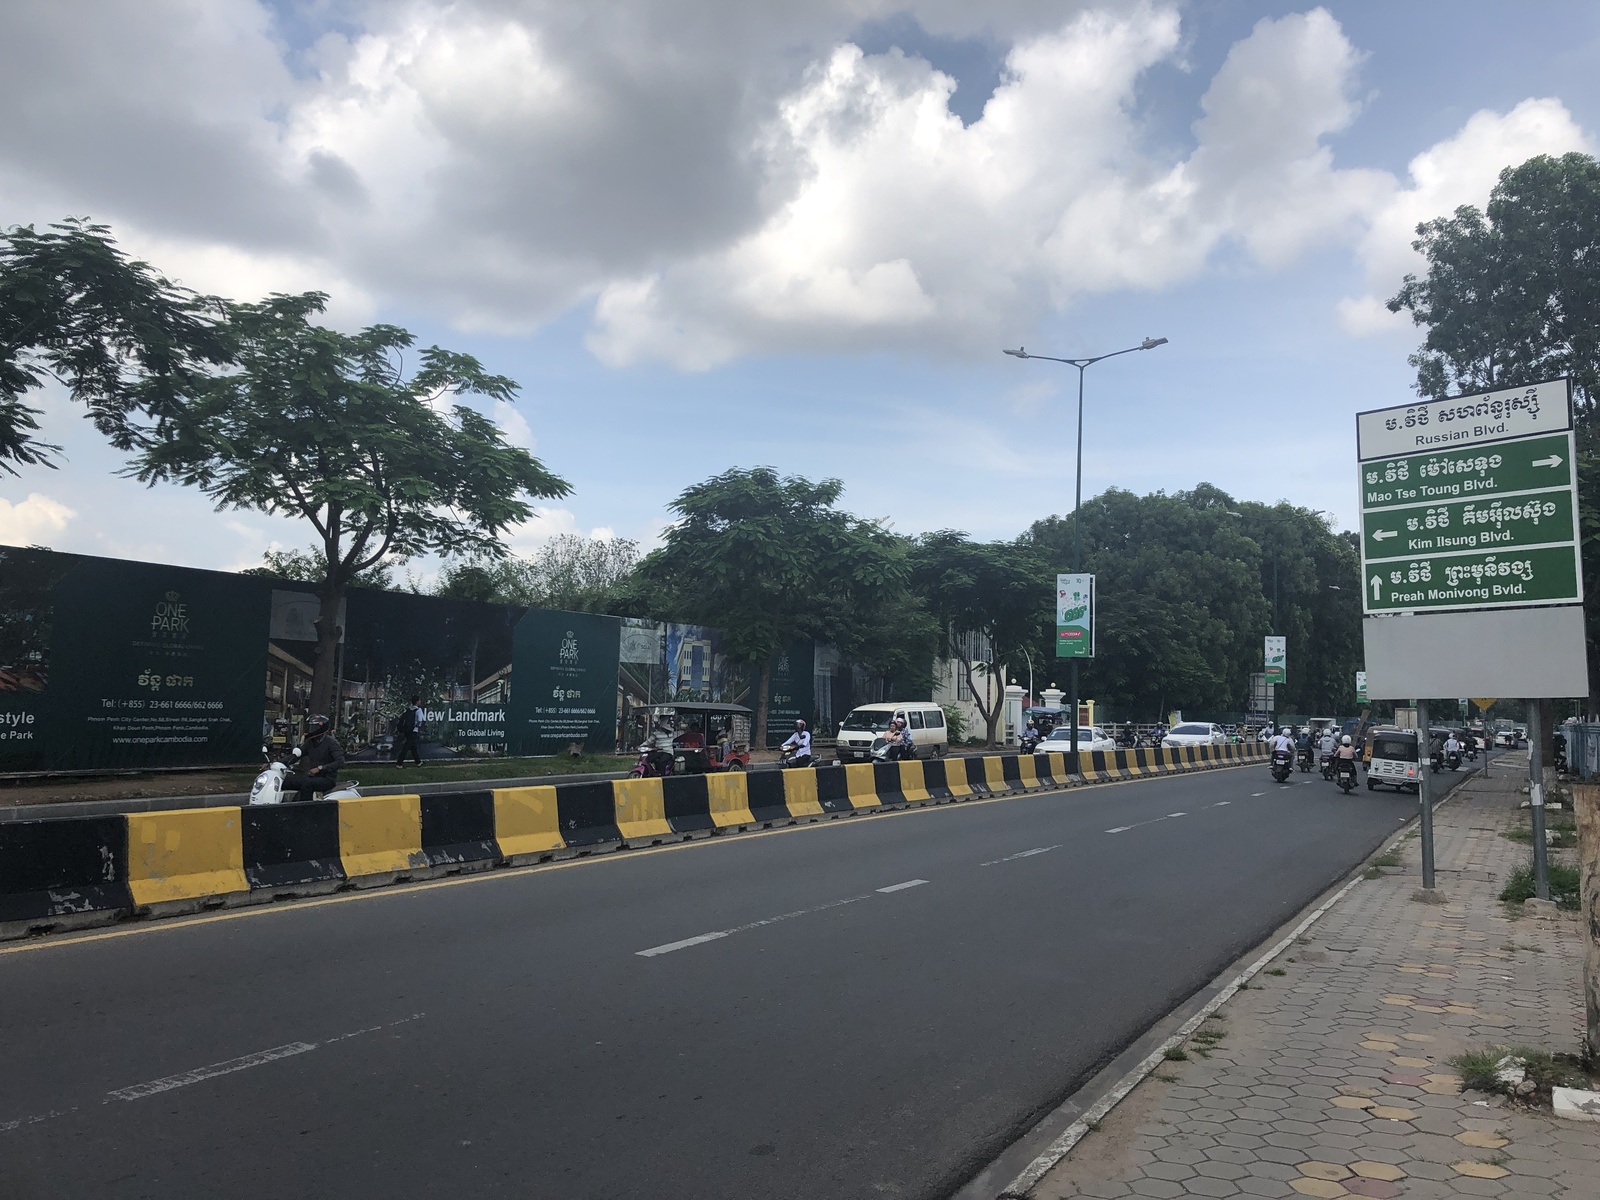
(327, 661)
(758, 736)
(994, 721)
(1586, 803)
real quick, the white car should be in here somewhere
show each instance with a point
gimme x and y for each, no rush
(1090, 737)
(1192, 733)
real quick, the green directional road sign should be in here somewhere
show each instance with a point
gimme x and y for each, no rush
(1525, 465)
(1488, 520)
(1497, 579)
(1508, 523)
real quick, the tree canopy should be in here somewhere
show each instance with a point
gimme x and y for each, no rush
(330, 428)
(122, 339)
(1000, 592)
(768, 559)
(571, 572)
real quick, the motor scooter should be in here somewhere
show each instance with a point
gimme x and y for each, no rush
(1453, 760)
(791, 759)
(1345, 773)
(268, 787)
(1282, 765)
(1305, 761)
(1028, 743)
(1436, 761)
(653, 761)
(1327, 766)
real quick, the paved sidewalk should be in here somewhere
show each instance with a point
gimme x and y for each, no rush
(1329, 1077)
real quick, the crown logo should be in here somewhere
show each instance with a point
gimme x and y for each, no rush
(173, 596)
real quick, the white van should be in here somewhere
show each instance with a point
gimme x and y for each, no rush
(868, 722)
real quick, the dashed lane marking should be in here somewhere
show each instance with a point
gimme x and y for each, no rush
(994, 862)
(200, 1074)
(1142, 824)
(900, 887)
(717, 935)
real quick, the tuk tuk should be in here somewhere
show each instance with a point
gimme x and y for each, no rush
(700, 737)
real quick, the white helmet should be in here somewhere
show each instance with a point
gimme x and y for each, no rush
(1345, 741)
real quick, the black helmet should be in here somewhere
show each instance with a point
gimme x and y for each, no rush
(799, 726)
(317, 726)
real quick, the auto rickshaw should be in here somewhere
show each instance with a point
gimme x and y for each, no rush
(703, 737)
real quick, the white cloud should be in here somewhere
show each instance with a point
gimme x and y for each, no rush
(717, 178)
(548, 522)
(1459, 170)
(514, 426)
(32, 522)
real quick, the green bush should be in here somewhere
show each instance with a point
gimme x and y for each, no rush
(956, 722)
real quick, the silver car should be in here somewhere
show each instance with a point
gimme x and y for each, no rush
(1195, 733)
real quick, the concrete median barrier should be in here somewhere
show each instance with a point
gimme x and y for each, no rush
(63, 871)
(527, 822)
(185, 858)
(458, 830)
(686, 799)
(588, 813)
(728, 800)
(380, 838)
(292, 847)
(641, 811)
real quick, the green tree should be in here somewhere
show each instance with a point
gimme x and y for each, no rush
(308, 566)
(571, 572)
(329, 427)
(987, 598)
(769, 559)
(1511, 297)
(122, 339)
(1186, 586)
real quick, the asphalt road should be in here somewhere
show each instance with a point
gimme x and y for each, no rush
(868, 1007)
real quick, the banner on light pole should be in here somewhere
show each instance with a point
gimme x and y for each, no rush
(1277, 657)
(1075, 616)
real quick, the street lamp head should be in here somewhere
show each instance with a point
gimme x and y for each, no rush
(1019, 352)
(1152, 343)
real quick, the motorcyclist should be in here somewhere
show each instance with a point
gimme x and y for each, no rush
(1346, 750)
(1452, 747)
(1283, 742)
(798, 745)
(900, 745)
(1329, 742)
(321, 756)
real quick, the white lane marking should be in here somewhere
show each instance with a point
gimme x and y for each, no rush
(1142, 824)
(1222, 803)
(719, 934)
(1253, 795)
(20, 1122)
(683, 945)
(1021, 854)
(155, 1086)
(900, 887)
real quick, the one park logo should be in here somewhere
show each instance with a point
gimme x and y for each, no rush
(568, 654)
(171, 619)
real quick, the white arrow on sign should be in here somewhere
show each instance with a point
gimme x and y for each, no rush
(1377, 583)
(1553, 461)
(1380, 534)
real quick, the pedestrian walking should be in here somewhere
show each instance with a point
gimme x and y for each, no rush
(408, 730)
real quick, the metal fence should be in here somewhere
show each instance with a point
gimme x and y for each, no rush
(1583, 749)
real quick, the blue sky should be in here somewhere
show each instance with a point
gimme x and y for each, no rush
(702, 236)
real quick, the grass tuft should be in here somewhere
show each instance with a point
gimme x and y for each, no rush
(1176, 1054)
(1563, 885)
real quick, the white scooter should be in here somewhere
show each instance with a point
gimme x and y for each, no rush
(268, 787)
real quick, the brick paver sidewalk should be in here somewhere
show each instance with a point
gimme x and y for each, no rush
(1329, 1077)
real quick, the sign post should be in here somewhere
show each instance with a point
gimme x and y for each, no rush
(1470, 569)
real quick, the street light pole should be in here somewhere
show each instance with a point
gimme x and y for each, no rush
(1083, 364)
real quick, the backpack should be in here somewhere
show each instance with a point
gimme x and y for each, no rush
(406, 722)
